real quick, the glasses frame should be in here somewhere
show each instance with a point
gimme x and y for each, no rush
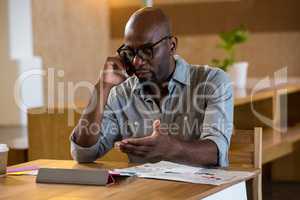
(136, 51)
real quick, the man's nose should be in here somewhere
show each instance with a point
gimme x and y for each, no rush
(137, 61)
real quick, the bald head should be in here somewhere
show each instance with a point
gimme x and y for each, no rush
(146, 38)
(148, 21)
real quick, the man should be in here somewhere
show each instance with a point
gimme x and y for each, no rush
(166, 110)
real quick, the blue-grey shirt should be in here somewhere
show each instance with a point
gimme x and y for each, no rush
(198, 106)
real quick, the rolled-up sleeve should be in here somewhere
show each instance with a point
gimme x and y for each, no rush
(83, 154)
(109, 133)
(218, 119)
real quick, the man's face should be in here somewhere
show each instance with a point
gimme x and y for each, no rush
(150, 68)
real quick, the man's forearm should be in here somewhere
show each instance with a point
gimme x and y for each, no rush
(87, 130)
(204, 152)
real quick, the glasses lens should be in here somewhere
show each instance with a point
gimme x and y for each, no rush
(145, 53)
(127, 54)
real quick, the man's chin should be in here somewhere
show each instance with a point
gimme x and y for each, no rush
(142, 80)
(145, 77)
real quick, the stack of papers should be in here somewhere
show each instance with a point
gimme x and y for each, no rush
(178, 172)
(27, 170)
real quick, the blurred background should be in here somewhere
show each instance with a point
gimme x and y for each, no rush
(51, 51)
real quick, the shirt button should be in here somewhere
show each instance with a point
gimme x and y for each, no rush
(185, 118)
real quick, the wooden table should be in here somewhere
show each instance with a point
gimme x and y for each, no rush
(24, 187)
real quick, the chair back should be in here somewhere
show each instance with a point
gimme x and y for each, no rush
(246, 151)
(246, 148)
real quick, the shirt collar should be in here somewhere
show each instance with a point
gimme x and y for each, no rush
(182, 70)
(181, 75)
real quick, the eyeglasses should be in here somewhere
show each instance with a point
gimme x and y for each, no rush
(145, 52)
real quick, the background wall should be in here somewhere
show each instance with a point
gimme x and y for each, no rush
(8, 72)
(274, 27)
(72, 38)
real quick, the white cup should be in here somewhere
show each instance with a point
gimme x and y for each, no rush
(3, 159)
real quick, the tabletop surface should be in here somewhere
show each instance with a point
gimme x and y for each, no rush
(24, 187)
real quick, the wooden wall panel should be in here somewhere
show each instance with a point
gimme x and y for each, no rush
(265, 52)
(213, 17)
(72, 36)
(8, 72)
(274, 26)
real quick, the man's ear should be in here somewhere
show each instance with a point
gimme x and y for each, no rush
(174, 42)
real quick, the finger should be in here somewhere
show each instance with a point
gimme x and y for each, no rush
(123, 149)
(132, 147)
(139, 153)
(117, 145)
(145, 141)
(116, 62)
(156, 127)
(113, 67)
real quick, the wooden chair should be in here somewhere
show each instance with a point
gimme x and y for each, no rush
(246, 151)
(49, 133)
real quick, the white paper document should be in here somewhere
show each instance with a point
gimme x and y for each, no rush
(178, 172)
